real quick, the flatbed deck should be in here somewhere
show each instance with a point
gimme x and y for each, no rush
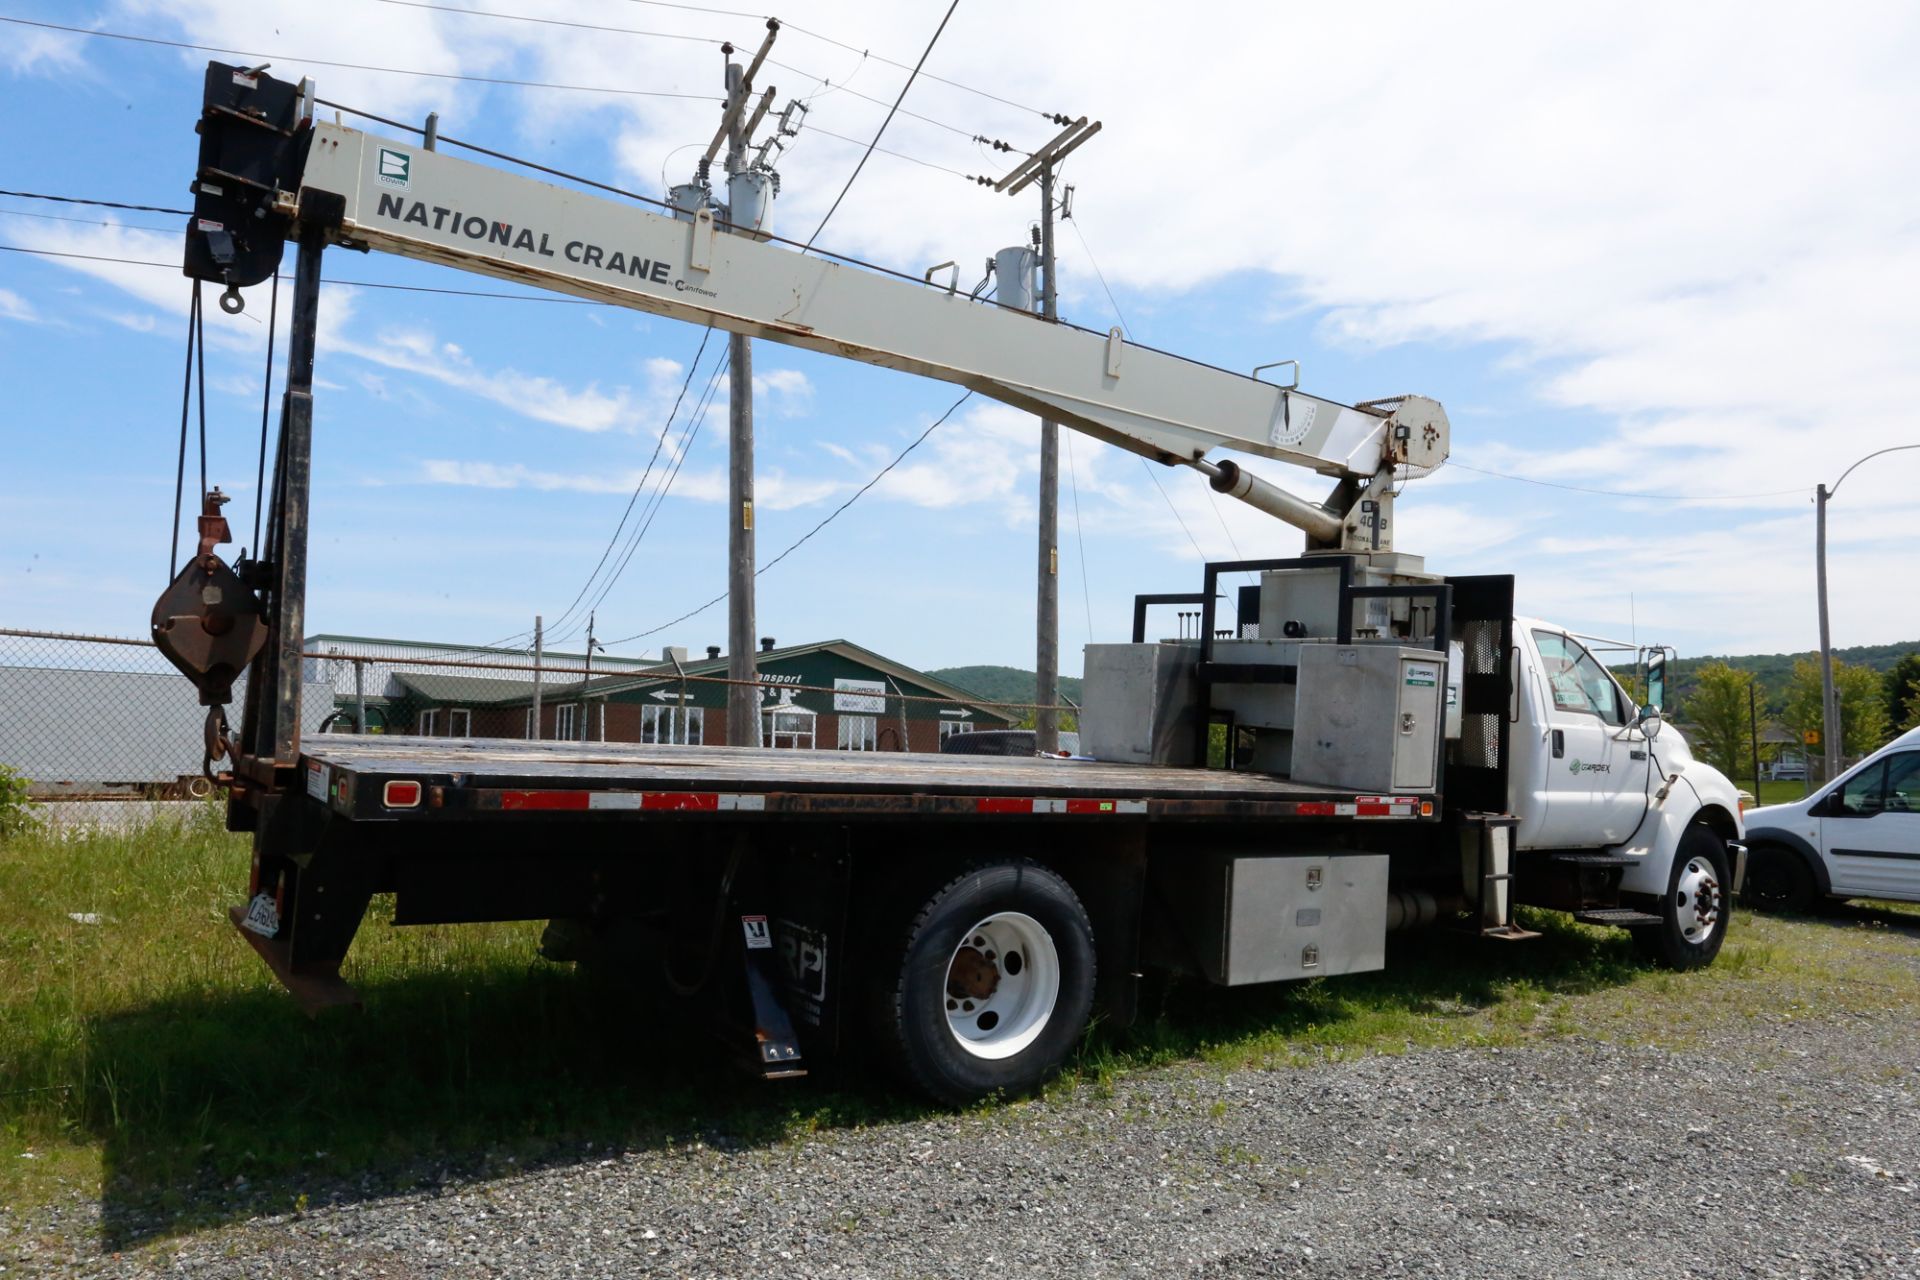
(489, 776)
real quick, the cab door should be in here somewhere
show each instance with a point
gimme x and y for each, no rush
(1596, 769)
(1870, 830)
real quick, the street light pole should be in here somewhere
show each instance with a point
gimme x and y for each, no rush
(1829, 698)
(1830, 744)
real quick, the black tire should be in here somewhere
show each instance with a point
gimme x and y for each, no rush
(1701, 860)
(911, 983)
(1779, 880)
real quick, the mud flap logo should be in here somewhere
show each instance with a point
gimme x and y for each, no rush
(803, 955)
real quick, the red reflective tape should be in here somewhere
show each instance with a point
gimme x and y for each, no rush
(543, 799)
(680, 800)
(1373, 810)
(1315, 809)
(1004, 804)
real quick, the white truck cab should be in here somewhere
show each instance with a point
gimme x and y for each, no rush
(1597, 780)
(1856, 837)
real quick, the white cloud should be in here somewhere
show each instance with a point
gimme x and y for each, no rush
(534, 396)
(787, 391)
(15, 307)
(44, 52)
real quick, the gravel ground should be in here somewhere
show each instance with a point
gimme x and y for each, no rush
(1779, 1147)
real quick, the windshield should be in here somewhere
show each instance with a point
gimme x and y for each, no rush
(1577, 681)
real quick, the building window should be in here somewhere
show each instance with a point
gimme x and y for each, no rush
(950, 727)
(532, 729)
(784, 725)
(859, 733)
(460, 723)
(566, 722)
(683, 725)
(429, 723)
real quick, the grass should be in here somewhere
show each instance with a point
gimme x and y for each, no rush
(150, 1061)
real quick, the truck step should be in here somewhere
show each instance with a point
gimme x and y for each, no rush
(1592, 859)
(1619, 917)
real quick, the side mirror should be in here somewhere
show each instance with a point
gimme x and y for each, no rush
(1657, 681)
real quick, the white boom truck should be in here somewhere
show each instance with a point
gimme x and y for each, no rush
(1374, 748)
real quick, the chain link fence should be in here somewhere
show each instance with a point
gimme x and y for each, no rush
(103, 728)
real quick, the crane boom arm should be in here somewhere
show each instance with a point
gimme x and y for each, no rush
(404, 198)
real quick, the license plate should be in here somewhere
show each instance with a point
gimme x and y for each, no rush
(262, 917)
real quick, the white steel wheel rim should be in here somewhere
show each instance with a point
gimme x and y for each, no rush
(1697, 905)
(1002, 982)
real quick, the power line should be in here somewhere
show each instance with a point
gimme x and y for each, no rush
(897, 155)
(658, 443)
(358, 66)
(350, 284)
(85, 222)
(802, 539)
(104, 204)
(1079, 536)
(662, 35)
(841, 44)
(681, 453)
(1619, 493)
(924, 53)
(1095, 263)
(551, 22)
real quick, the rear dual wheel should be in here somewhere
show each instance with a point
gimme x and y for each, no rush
(989, 986)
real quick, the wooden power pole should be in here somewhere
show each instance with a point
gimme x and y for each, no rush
(1041, 166)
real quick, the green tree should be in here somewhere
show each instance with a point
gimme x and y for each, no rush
(1716, 715)
(1863, 708)
(1902, 692)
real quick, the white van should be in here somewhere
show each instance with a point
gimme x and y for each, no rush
(1858, 837)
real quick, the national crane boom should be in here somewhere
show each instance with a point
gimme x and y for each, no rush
(371, 192)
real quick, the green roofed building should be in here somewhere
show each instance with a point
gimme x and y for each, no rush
(830, 695)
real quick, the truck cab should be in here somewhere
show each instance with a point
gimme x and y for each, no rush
(1857, 837)
(1600, 784)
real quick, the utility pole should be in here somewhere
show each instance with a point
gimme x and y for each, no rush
(586, 687)
(539, 651)
(1046, 639)
(743, 707)
(751, 186)
(1040, 166)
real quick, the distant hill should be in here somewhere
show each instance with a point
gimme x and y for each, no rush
(1003, 684)
(1773, 671)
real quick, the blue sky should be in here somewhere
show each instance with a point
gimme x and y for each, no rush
(1615, 272)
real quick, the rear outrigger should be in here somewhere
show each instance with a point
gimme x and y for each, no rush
(1374, 747)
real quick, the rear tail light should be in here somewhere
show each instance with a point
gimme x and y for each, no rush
(401, 795)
